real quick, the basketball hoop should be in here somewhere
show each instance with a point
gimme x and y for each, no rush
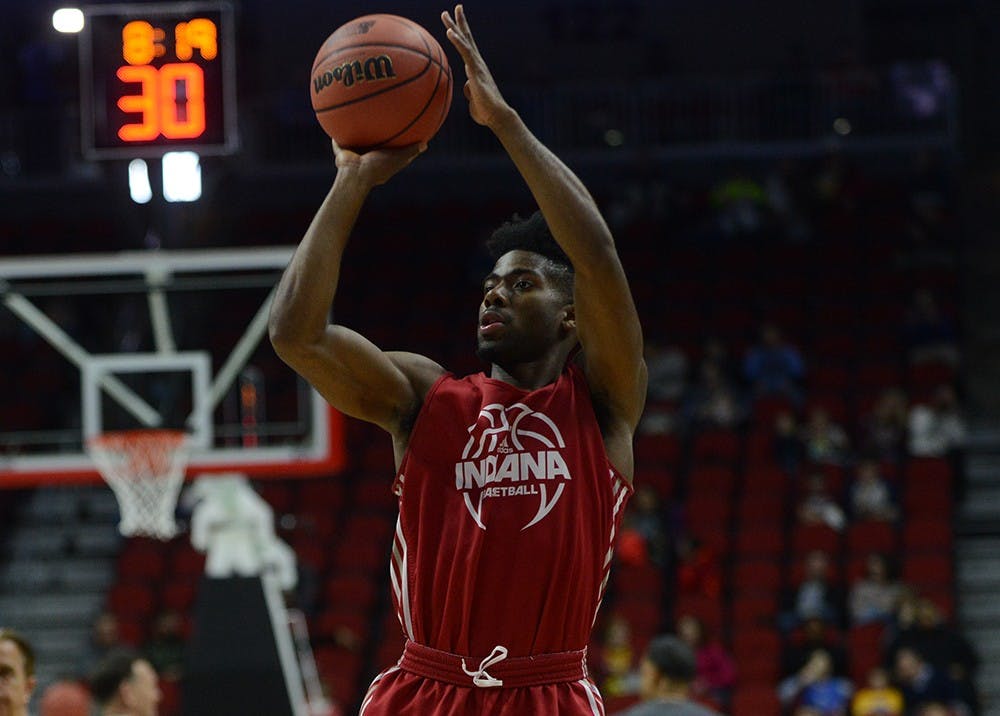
(145, 469)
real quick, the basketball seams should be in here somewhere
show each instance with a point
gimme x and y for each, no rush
(423, 110)
(410, 48)
(431, 51)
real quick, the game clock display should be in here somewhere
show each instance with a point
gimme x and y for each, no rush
(157, 78)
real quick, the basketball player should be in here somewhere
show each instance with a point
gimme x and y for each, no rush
(511, 485)
(17, 673)
(125, 684)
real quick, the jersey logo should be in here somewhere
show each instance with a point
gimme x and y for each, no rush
(512, 451)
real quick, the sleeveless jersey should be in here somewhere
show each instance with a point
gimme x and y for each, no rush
(508, 511)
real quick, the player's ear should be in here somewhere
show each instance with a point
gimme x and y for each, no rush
(569, 318)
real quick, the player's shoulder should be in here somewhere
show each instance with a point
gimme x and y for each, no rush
(421, 371)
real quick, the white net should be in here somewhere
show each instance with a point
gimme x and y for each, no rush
(145, 469)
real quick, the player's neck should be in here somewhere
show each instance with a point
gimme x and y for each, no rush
(530, 376)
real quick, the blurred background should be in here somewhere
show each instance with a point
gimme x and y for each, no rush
(805, 196)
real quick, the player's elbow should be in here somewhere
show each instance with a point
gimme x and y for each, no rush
(288, 341)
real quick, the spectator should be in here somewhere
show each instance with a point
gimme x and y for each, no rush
(105, 637)
(165, 650)
(884, 429)
(699, 570)
(667, 367)
(814, 633)
(125, 684)
(928, 334)
(666, 673)
(774, 366)
(874, 597)
(947, 651)
(617, 658)
(920, 683)
(715, 670)
(713, 402)
(788, 448)
(816, 597)
(871, 496)
(65, 698)
(817, 506)
(738, 202)
(17, 673)
(815, 686)
(936, 429)
(826, 443)
(878, 697)
(645, 516)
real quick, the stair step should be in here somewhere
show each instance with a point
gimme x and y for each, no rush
(57, 575)
(983, 502)
(48, 609)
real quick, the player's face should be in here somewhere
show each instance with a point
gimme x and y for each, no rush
(15, 685)
(523, 313)
(141, 692)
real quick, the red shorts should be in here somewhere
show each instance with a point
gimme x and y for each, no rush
(427, 682)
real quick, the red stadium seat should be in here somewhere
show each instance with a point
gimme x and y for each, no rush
(761, 508)
(807, 538)
(278, 494)
(179, 595)
(927, 473)
(765, 480)
(660, 479)
(132, 600)
(864, 537)
(760, 447)
(754, 611)
(646, 581)
(708, 610)
(757, 577)
(707, 510)
(928, 376)
(350, 590)
(654, 451)
(717, 446)
(928, 534)
(142, 560)
(932, 569)
(760, 540)
(711, 480)
(366, 558)
(321, 494)
(374, 493)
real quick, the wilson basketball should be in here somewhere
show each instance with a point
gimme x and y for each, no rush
(380, 81)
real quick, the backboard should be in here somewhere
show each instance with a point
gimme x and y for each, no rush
(153, 339)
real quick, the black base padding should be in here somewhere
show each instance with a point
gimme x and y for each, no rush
(232, 666)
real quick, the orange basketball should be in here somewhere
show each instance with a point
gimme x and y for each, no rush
(380, 81)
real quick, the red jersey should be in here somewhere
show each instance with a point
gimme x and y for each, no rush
(508, 511)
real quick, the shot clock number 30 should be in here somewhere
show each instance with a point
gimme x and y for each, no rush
(158, 78)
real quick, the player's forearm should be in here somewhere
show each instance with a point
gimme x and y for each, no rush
(569, 209)
(305, 293)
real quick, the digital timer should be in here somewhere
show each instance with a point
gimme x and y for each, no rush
(157, 78)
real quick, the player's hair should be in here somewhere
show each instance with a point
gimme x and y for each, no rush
(27, 652)
(533, 234)
(672, 658)
(113, 669)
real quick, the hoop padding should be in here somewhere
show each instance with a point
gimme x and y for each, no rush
(145, 469)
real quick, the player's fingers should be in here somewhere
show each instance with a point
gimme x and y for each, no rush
(459, 42)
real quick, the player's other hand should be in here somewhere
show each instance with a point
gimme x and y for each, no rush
(486, 105)
(377, 166)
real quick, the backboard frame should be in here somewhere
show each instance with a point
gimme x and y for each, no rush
(323, 452)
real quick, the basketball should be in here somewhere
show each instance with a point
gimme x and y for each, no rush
(380, 81)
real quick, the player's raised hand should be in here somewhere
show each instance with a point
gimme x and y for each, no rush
(377, 166)
(486, 104)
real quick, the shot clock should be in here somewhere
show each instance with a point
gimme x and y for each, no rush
(157, 78)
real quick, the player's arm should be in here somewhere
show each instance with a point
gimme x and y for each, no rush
(351, 372)
(606, 318)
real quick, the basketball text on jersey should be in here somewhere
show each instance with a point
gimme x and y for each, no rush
(373, 68)
(513, 451)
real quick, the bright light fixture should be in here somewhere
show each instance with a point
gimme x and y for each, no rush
(67, 19)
